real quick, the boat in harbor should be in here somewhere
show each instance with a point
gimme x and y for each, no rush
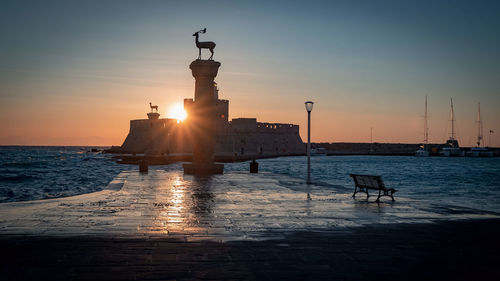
(320, 151)
(452, 149)
(479, 150)
(423, 152)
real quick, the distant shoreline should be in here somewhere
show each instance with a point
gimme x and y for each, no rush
(313, 145)
(332, 149)
(36, 145)
(386, 149)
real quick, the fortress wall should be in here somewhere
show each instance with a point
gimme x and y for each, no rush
(178, 139)
(277, 128)
(250, 137)
(374, 148)
(222, 110)
(148, 135)
(244, 125)
(240, 137)
(275, 143)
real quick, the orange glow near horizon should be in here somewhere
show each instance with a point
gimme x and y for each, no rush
(177, 112)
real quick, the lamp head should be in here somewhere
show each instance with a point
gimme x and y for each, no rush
(309, 106)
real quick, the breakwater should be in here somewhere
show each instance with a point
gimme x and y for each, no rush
(404, 149)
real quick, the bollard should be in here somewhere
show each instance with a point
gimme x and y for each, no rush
(143, 166)
(254, 167)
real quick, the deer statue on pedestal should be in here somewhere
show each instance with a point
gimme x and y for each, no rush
(204, 45)
(155, 107)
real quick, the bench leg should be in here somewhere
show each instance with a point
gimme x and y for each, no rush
(386, 193)
(360, 190)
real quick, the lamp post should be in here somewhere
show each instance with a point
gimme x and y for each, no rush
(309, 107)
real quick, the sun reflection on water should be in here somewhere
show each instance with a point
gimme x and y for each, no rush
(182, 206)
(173, 216)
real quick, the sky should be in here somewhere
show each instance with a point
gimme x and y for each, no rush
(76, 72)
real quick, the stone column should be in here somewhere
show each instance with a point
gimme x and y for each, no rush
(202, 119)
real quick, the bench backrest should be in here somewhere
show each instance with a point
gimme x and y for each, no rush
(367, 181)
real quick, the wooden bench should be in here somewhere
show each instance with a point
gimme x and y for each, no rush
(364, 182)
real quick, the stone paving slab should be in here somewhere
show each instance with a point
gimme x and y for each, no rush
(233, 206)
(448, 250)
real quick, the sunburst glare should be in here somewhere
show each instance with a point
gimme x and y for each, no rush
(177, 111)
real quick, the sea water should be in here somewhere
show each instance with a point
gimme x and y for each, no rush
(466, 182)
(31, 173)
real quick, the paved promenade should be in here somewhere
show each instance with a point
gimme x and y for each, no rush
(238, 226)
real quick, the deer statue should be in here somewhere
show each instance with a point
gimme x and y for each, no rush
(204, 45)
(155, 107)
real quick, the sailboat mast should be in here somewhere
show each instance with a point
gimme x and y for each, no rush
(426, 129)
(479, 126)
(452, 122)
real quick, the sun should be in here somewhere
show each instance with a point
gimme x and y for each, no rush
(177, 111)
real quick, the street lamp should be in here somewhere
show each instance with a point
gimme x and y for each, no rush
(309, 108)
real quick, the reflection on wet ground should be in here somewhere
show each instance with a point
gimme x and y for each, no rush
(225, 207)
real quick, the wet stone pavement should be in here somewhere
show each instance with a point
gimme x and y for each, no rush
(238, 226)
(233, 206)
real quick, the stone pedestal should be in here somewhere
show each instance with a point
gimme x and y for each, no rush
(143, 166)
(153, 115)
(254, 167)
(202, 119)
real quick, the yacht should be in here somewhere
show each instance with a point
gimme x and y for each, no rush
(479, 150)
(452, 149)
(318, 151)
(423, 152)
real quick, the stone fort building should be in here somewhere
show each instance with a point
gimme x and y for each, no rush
(240, 138)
